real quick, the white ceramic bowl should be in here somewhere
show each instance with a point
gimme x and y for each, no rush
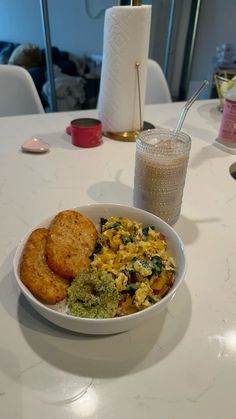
(115, 325)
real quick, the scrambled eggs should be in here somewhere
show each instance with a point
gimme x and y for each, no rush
(137, 258)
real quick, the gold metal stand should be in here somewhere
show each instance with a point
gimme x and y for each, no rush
(122, 136)
(131, 135)
(128, 136)
(136, 2)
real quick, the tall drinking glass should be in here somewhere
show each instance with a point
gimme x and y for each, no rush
(161, 162)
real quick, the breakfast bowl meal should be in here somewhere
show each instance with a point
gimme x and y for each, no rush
(100, 268)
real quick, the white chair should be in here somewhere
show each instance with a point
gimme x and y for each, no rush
(18, 94)
(157, 89)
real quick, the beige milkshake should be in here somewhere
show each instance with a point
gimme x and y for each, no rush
(160, 171)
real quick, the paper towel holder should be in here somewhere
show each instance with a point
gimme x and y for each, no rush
(131, 135)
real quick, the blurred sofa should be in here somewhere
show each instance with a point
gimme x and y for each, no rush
(74, 76)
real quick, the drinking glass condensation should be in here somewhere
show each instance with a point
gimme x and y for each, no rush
(160, 170)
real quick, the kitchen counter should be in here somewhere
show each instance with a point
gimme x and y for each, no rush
(181, 364)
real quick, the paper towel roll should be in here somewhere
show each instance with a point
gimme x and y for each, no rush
(126, 42)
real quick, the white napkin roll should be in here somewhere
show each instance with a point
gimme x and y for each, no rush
(126, 42)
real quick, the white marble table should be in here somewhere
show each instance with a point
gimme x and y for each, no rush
(180, 365)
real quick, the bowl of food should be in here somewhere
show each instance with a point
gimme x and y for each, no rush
(100, 268)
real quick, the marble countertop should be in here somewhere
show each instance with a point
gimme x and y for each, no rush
(179, 365)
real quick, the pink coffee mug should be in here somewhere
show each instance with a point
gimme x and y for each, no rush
(85, 132)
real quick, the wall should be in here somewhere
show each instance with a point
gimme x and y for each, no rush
(70, 25)
(20, 21)
(216, 25)
(81, 34)
(71, 28)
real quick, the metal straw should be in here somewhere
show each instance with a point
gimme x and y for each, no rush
(187, 106)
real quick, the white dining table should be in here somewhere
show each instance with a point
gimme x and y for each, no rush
(179, 365)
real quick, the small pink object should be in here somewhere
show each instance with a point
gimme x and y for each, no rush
(227, 134)
(35, 145)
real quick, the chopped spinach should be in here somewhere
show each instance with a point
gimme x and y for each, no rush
(117, 224)
(103, 221)
(97, 249)
(152, 299)
(126, 239)
(131, 288)
(156, 265)
(146, 229)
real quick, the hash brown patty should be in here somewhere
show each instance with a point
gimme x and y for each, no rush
(71, 240)
(35, 274)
